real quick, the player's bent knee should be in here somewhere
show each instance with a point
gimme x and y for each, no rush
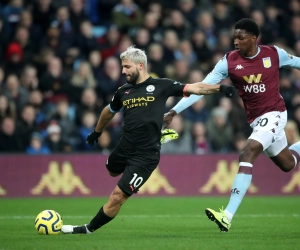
(113, 174)
(117, 197)
(287, 168)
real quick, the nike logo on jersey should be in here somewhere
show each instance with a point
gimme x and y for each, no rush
(127, 92)
(239, 66)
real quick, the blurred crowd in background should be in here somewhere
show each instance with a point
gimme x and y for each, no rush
(60, 66)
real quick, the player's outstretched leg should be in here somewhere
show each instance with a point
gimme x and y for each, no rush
(219, 218)
(105, 214)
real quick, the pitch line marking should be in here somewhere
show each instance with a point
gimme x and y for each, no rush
(22, 217)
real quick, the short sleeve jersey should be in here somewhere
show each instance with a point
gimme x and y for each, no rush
(143, 106)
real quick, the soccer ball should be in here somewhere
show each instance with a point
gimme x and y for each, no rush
(48, 222)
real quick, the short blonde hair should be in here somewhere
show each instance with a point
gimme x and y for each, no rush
(135, 55)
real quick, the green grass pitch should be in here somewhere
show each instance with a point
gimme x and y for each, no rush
(155, 223)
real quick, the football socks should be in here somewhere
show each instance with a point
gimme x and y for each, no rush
(98, 221)
(240, 186)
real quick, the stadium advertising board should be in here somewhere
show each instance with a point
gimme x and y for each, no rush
(177, 175)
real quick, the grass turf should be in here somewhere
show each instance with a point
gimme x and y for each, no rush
(155, 223)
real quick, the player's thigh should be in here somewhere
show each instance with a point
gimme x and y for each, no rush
(117, 161)
(134, 177)
(284, 160)
(268, 129)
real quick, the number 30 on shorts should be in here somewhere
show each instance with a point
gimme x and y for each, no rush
(136, 181)
(263, 122)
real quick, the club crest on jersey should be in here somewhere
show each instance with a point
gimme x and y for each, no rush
(150, 88)
(267, 62)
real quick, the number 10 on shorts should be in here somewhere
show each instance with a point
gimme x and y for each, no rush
(136, 181)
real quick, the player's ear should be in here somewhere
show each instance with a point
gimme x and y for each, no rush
(141, 66)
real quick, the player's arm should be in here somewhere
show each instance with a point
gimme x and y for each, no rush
(105, 117)
(287, 60)
(201, 88)
(219, 73)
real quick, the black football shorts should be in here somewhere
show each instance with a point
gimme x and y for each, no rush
(136, 166)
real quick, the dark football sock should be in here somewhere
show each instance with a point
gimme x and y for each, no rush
(98, 221)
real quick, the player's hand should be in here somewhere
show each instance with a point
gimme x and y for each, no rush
(168, 117)
(229, 91)
(93, 137)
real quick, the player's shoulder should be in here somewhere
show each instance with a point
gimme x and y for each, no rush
(268, 48)
(231, 55)
(162, 81)
(124, 87)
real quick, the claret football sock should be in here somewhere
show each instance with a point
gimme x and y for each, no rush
(98, 221)
(295, 150)
(240, 186)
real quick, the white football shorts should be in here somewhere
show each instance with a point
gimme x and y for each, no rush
(268, 129)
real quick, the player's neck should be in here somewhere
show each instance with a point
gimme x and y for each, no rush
(143, 77)
(252, 52)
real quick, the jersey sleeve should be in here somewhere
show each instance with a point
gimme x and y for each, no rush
(287, 60)
(174, 88)
(219, 72)
(115, 104)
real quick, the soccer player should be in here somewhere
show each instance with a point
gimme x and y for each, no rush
(137, 154)
(254, 71)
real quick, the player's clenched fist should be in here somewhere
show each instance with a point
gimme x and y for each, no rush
(229, 91)
(93, 137)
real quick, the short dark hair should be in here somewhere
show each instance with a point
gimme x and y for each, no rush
(247, 24)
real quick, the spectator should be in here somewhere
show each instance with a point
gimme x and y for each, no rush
(201, 143)
(55, 42)
(292, 132)
(155, 58)
(127, 15)
(178, 24)
(36, 100)
(29, 79)
(55, 84)
(89, 120)
(64, 116)
(151, 23)
(206, 23)
(82, 79)
(200, 46)
(26, 21)
(142, 38)
(95, 59)
(37, 146)
(77, 15)
(28, 48)
(4, 39)
(54, 139)
(89, 102)
(14, 59)
(219, 131)
(185, 52)
(109, 43)
(85, 41)
(10, 142)
(11, 15)
(15, 92)
(110, 80)
(62, 21)
(189, 10)
(184, 143)
(221, 15)
(7, 108)
(26, 125)
(197, 112)
(43, 13)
